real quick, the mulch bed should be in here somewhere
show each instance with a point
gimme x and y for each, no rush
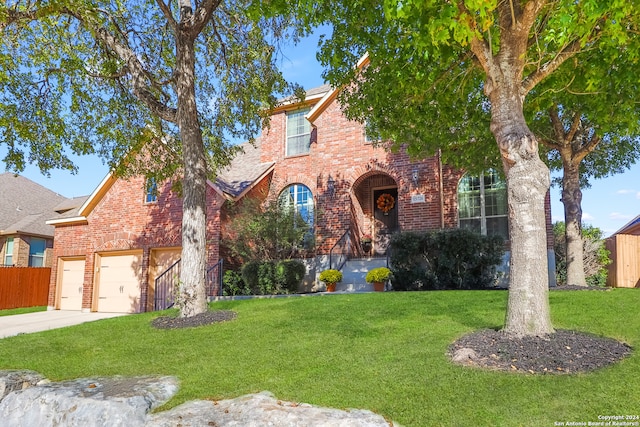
(565, 352)
(202, 319)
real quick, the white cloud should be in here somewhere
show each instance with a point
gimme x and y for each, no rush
(626, 191)
(586, 216)
(638, 195)
(619, 216)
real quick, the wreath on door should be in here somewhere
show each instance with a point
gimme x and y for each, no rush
(385, 202)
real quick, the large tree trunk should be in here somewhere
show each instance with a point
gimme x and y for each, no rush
(572, 198)
(528, 181)
(192, 291)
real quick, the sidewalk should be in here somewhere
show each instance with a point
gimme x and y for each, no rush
(46, 320)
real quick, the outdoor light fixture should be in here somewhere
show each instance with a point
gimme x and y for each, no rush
(414, 177)
(331, 187)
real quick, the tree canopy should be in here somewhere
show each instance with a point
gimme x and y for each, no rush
(156, 87)
(438, 70)
(100, 77)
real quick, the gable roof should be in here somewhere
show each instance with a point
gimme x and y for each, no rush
(232, 182)
(632, 227)
(244, 172)
(311, 96)
(332, 94)
(25, 206)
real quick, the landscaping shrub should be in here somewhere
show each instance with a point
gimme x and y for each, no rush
(291, 273)
(232, 284)
(273, 277)
(408, 261)
(445, 259)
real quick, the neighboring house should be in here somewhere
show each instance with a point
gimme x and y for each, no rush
(25, 239)
(624, 246)
(114, 244)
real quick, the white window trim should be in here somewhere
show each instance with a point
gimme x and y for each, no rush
(303, 113)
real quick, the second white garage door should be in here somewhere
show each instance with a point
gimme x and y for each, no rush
(119, 277)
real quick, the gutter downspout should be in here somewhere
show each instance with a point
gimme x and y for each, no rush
(441, 188)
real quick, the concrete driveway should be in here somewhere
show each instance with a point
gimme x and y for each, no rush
(46, 320)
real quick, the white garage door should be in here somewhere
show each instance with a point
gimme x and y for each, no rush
(119, 278)
(71, 284)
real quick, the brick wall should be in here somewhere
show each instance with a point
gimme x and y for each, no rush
(340, 153)
(122, 220)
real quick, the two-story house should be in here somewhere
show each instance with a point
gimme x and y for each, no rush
(111, 248)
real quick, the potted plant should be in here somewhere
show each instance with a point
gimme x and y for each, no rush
(330, 277)
(366, 243)
(379, 277)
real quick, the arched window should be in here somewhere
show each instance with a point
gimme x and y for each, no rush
(482, 204)
(299, 198)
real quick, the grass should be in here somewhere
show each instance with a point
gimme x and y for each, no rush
(380, 351)
(12, 311)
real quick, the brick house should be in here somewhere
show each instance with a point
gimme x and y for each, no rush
(114, 244)
(25, 238)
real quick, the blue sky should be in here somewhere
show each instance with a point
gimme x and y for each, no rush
(609, 204)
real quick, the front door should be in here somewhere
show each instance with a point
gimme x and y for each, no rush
(385, 213)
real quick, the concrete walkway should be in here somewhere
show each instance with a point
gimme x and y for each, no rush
(46, 320)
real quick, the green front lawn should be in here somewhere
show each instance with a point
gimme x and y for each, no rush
(12, 311)
(379, 351)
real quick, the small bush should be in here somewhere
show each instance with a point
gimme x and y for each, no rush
(380, 274)
(273, 277)
(232, 284)
(330, 276)
(445, 259)
(290, 274)
(250, 276)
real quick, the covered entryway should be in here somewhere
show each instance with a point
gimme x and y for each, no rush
(376, 210)
(71, 280)
(118, 279)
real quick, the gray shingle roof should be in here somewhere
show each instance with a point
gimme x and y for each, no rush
(69, 208)
(243, 172)
(25, 206)
(320, 91)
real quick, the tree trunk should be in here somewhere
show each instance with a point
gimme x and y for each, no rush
(192, 291)
(571, 199)
(528, 181)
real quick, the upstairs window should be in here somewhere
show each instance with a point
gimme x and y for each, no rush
(368, 137)
(298, 133)
(482, 204)
(8, 252)
(151, 191)
(36, 252)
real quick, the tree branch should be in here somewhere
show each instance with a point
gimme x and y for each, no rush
(203, 15)
(588, 147)
(558, 129)
(139, 76)
(575, 126)
(537, 76)
(166, 11)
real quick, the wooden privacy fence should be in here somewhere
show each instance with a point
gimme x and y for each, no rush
(24, 286)
(624, 271)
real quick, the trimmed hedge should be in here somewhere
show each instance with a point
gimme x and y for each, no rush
(445, 259)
